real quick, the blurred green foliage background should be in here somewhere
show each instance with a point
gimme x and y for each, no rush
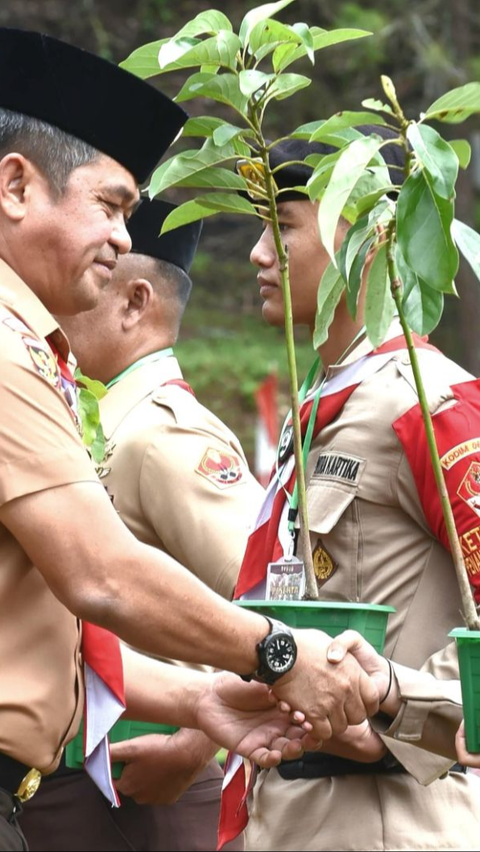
(426, 46)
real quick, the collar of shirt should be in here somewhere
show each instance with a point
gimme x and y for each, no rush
(363, 347)
(18, 296)
(133, 386)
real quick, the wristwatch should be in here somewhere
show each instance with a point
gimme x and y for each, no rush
(276, 654)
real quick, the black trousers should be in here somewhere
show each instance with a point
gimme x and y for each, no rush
(69, 814)
(11, 835)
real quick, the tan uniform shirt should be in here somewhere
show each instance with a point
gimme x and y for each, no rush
(177, 475)
(41, 690)
(368, 527)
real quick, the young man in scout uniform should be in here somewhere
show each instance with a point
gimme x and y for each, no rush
(156, 432)
(371, 534)
(77, 135)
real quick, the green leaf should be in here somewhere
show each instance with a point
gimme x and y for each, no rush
(330, 290)
(463, 151)
(357, 207)
(267, 34)
(206, 205)
(251, 81)
(220, 50)
(252, 18)
(226, 133)
(211, 22)
(457, 105)
(423, 233)
(224, 88)
(286, 54)
(374, 103)
(468, 241)
(286, 85)
(305, 131)
(143, 62)
(303, 30)
(182, 166)
(89, 415)
(348, 170)
(215, 178)
(203, 125)
(351, 245)
(436, 156)
(93, 385)
(97, 448)
(379, 304)
(355, 278)
(345, 119)
(423, 306)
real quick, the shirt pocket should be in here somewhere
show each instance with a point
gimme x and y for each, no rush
(335, 533)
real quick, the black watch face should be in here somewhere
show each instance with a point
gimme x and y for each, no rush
(280, 654)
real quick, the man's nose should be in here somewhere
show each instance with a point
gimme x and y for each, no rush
(261, 254)
(120, 236)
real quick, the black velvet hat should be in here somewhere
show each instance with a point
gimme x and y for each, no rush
(177, 247)
(298, 173)
(87, 97)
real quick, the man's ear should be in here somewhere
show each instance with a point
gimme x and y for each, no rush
(139, 295)
(16, 177)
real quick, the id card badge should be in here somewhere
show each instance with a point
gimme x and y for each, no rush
(285, 580)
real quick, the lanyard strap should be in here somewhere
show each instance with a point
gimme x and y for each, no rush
(147, 359)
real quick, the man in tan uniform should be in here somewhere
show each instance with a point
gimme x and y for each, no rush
(375, 538)
(156, 432)
(77, 135)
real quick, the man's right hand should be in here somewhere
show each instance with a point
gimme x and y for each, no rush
(333, 695)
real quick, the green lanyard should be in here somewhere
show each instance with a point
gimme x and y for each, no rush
(293, 500)
(147, 359)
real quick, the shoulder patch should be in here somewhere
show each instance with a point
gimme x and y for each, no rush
(219, 467)
(43, 360)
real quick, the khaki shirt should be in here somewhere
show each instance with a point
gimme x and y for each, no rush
(369, 533)
(41, 691)
(177, 475)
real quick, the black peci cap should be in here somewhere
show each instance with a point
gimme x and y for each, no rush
(299, 173)
(177, 246)
(87, 97)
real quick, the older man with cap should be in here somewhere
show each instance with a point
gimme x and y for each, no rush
(157, 432)
(77, 135)
(377, 536)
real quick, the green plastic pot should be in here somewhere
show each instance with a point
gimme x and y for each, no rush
(125, 729)
(468, 650)
(330, 616)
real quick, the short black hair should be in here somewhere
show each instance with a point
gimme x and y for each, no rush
(53, 151)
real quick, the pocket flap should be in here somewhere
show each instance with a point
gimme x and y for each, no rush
(327, 501)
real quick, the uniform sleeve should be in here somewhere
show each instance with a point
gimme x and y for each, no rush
(457, 432)
(198, 494)
(429, 717)
(39, 444)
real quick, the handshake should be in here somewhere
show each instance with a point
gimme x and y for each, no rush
(324, 702)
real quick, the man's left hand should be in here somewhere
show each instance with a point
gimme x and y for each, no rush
(242, 718)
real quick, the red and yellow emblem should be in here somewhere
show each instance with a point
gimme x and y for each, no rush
(469, 488)
(43, 360)
(221, 468)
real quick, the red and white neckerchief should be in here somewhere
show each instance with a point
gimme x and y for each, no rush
(269, 540)
(102, 664)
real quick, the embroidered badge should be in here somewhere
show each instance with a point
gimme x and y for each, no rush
(323, 564)
(221, 468)
(470, 544)
(16, 324)
(335, 466)
(469, 488)
(43, 360)
(468, 448)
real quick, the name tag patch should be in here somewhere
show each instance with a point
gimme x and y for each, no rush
(339, 466)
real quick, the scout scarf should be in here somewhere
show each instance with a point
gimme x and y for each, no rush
(103, 670)
(269, 540)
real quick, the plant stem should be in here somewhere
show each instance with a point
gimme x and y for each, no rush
(311, 592)
(469, 609)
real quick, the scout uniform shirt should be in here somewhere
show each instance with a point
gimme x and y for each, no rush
(41, 691)
(371, 542)
(176, 474)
